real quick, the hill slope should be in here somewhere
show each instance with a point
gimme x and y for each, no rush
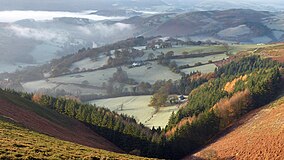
(240, 25)
(20, 143)
(259, 135)
(49, 122)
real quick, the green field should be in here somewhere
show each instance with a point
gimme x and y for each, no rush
(189, 49)
(233, 49)
(193, 61)
(203, 69)
(137, 106)
(19, 143)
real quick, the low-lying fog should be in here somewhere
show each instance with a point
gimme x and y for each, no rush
(36, 37)
(16, 15)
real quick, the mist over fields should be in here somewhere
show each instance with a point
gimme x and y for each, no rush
(35, 37)
(33, 32)
(16, 15)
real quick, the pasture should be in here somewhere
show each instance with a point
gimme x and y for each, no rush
(137, 106)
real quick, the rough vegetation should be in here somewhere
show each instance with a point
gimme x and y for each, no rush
(258, 135)
(47, 121)
(19, 143)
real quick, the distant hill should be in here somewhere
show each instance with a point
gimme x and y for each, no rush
(259, 135)
(74, 5)
(205, 5)
(49, 122)
(163, 5)
(20, 143)
(240, 25)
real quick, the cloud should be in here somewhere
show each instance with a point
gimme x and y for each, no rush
(94, 32)
(117, 29)
(36, 34)
(84, 30)
(57, 38)
(16, 15)
(123, 26)
(103, 33)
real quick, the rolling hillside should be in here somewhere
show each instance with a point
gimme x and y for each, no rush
(259, 135)
(19, 143)
(49, 122)
(240, 25)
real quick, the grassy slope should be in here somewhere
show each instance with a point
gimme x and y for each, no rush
(50, 122)
(41, 111)
(19, 143)
(258, 135)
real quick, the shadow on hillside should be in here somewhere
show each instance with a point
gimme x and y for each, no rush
(209, 158)
(130, 144)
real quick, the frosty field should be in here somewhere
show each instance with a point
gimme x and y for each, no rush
(137, 106)
(88, 63)
(192, 61)
(203, 69)
(151, 73)
(178, 50)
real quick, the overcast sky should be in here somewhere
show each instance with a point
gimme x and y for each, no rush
(79, 5)
(71, 5)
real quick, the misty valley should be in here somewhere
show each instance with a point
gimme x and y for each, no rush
(123, 79)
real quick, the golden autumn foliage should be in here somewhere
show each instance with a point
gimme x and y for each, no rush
(180, 124)
(228, 109)
(230, 86)
(37, 97)
(200, 75)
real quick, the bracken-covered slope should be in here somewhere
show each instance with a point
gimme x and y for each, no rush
(259, 135)
(19, 143)
(51, 123)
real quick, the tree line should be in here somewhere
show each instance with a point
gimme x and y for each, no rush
(212, 107)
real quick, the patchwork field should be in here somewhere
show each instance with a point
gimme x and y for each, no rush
(75, 89)
(98, 77)
(151, 73)
(35, 85)
(95, 78)
(243, 47)
(137, 106)
(203, 69)
(192, 61)
(179, 50)
(87, 83)
(207, 49)
(90, 82)
(89, 63)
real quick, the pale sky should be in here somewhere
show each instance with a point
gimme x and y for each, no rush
(79, 5)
